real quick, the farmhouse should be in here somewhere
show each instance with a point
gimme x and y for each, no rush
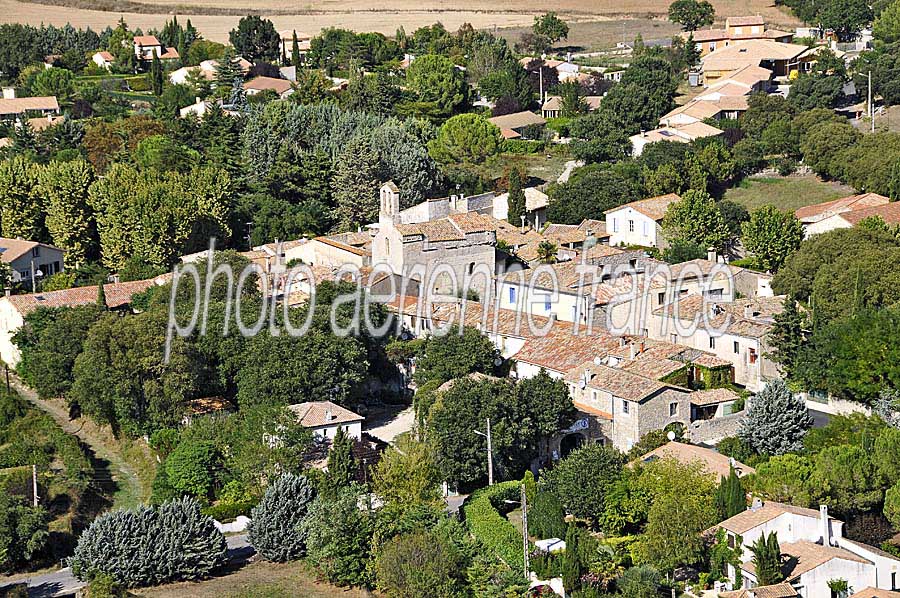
(30, 259)
(282, 87)
(147, 46)
(780, 58)
(103, 59)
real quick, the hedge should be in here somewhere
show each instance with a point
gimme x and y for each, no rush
(521, 146)
(141, 83)
(486, 523)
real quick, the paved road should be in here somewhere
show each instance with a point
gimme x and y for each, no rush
(63, 583)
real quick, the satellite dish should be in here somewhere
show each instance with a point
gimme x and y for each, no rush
(670, 435)
(598, 360)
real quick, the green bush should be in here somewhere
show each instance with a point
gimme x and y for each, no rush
(484, 520)
(275, 529)
(141, 83)
(191, 468)
(229, 511)
(521, 146)
(560, 124)
(546, 517)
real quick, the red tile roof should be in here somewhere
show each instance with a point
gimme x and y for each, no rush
(890, 213)
(117, 295)
(315, 414)
(839, 206)
(652, 207)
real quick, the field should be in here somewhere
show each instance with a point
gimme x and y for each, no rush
(257, 580)
(214, 18)
(785, 193)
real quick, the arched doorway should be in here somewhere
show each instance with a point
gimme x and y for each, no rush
(569, 443)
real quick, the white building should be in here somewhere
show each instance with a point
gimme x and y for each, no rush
(639, 222)
(103, 59)
(325, 418)
(840, 213)
(815, 551)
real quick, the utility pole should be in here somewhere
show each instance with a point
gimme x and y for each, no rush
(871, 105)
(525, 530)
(34, 483)
(7, 379)
(489, 451)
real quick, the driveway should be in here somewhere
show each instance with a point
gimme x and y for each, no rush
(387, 425)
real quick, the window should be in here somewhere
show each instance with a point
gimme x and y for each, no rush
(512, 294)
(712, 46)
(471, 267)
(624, 406)
(615, 225)
(646, 232)
(631, 226)
(715, 293)
(673, 409)
(752, 355)
(730, 541)
(737, 347)
(36, 251)
(712, 342)
(660, 297)
(25, 273)
(673, 338)
(893, 580)
(547, 305)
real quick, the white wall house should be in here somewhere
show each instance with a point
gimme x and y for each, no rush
(638, 222)
(325, 418)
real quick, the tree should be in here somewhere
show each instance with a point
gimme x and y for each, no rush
(454, 355)
(845, 17)
(581, 480)
(341, 463)
(691, 14)
(55, 82)
(339, 538)
(549, 403)
(355, 185)
(421, 563)
(434, 79)
(593, 189)
(407, 475)
(887, 24)
(783, 478)
(816, 91)
(515, 197)
(24, 534)
(892, 504)
(788, 336)
(887, 453)
(596, 137)
(228, 70)
(847, 480)
(21, 209)
(256, 39)
(696, 219)
(730, 496)
(275, 529)
(191, 469)
(571, 564)
(771, 236)
(546, 516)
(467, 138)
(546, 252)
(295, 51)
(777, 420)
(172, 542)
(64, 186)
(824, 145)
(156, 76)
(767, 559)
(550, 27)
(680, 251)
(642, 581)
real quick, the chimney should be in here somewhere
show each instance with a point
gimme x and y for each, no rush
(8, 291)
(622, 341)
(756, 504)
(587, 374)
(9, 93)
(632, 351)
(328, 416)
(711, 254)
(748, 311)
(643, 133)
(824, 526)
(196, 99)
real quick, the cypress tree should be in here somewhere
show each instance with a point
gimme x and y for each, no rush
(730, 499)
(571, 567)
(295, 51)
(516, 201)
(101, 295)
(156, 76)
(767, 558)
(341, 464)
(787, 335)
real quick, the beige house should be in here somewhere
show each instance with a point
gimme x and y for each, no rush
(516, 125)
(282, 87)
(147, 46)
(780, 58)
(552, 107)
(325, 418)
(714, 462)
(678, 134)
(736, 29)
(103, 59)
(304, 43)
(31, 260)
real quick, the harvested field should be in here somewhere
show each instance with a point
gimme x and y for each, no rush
(215, 18)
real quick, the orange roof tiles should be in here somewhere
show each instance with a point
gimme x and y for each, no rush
(839, 206)
(314, 414)
(652, 207)
(117, 295)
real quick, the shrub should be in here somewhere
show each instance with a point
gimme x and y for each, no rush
(172, 542)
(521, 146)
(191, 468)
(420, 564)
(141, 83)
(339, 538)
(275, 528)
(546, 517)
(490, 527)
(229, 511)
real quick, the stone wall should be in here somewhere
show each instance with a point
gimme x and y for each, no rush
(711, 431)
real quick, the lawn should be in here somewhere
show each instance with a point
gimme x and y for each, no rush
(785, 193)
(544, 166)
(257, 580)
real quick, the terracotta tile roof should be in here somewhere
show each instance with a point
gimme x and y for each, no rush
(709, 35)
(750, 75)
(780, 590)
(597, 227)
(207, 405)
(721, 314)
(653, 207)
(616, 381)
(169, 54)
(875, 593)
(535, 199)
(750, 52)
(749, 519)
(342, 246)
(314, 414)
(21, 105)
(13, 249)
(890, 213)
(39, 123)
(715, 463)
(106, 56)
(697, 130)
(585, 408)
(146, 40)
(279, 86)
(561, 351)
(563, 233)
(804, 556)
(826, 209)
(517, 120)
(117, 295)
(713, 396)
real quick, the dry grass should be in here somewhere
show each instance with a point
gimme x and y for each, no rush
(257, 580)
(215, 18)
(597, 35)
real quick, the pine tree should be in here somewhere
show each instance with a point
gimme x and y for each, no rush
(275, 529)
(341, 463)
(777, 420)
(787, 336)
(295, 51)
(767, 558)
(228, 70)
(516, 201)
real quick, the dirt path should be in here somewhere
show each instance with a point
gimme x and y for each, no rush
(129, 488)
